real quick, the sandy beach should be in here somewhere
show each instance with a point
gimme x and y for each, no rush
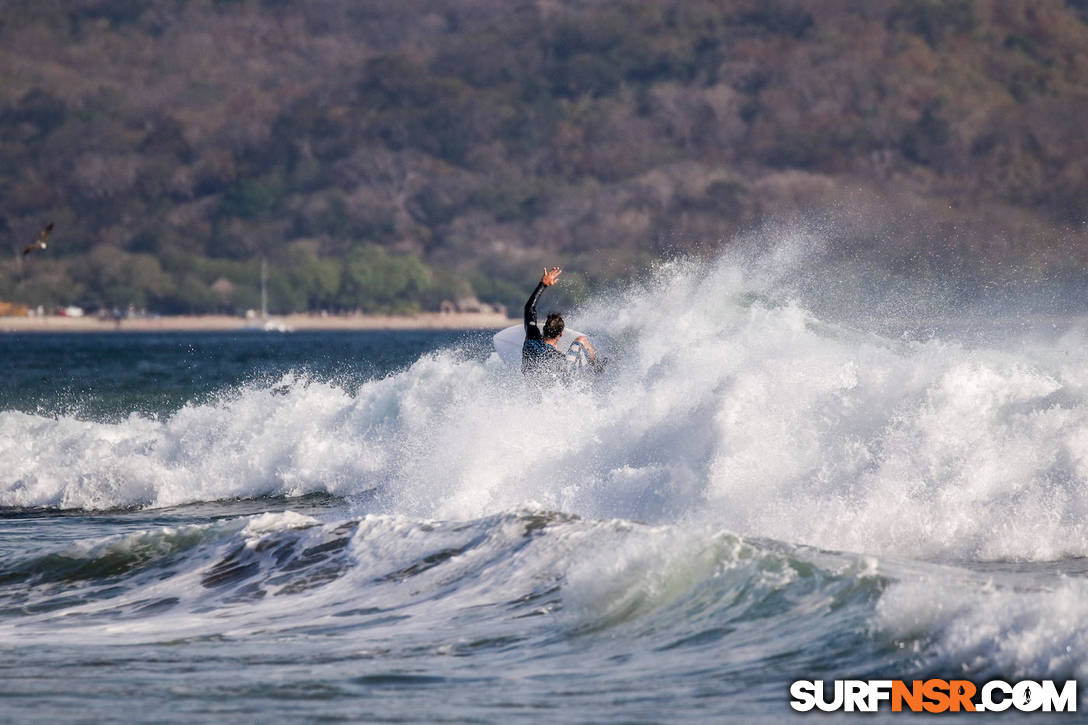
(209, 323)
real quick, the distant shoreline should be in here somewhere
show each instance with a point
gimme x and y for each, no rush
(227, 323)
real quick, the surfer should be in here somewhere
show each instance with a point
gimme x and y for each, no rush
(540, 354)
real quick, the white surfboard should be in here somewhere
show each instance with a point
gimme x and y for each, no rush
(508, 343)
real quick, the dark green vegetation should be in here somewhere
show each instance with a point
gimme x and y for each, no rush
(388, 155)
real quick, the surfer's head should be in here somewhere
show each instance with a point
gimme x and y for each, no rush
(553, 326)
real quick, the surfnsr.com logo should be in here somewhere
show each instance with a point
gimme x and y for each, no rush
(933, 696)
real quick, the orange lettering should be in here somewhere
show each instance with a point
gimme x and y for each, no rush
(937, 692)
(961, 693)
(912, 695)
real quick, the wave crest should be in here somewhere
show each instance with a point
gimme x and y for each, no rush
(730, 401)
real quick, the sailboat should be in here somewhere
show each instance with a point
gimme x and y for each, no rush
(267, 324)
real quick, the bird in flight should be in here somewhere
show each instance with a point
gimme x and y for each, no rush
(39, 243)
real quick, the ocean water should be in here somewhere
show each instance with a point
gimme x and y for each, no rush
(391, 527)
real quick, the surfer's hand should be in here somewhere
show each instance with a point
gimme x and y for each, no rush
(584, 342)
(550, 276)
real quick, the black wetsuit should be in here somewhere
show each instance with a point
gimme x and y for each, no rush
(538, 358)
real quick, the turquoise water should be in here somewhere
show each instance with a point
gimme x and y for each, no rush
(387, 526)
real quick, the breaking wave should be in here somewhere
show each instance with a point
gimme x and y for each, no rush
(728, 403)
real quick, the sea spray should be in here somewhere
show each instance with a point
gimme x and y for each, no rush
(727, 401)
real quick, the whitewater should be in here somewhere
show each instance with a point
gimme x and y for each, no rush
(762, 488)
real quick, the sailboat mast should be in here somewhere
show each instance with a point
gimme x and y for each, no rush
(264, 289)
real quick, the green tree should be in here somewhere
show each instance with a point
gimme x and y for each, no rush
(376, 281)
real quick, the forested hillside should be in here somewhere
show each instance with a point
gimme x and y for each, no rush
(389, 155)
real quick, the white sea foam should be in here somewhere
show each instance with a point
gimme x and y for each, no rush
(266, 522)
(988, 630)
(731, 404)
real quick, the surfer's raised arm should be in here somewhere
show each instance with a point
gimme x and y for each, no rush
(532, 332)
